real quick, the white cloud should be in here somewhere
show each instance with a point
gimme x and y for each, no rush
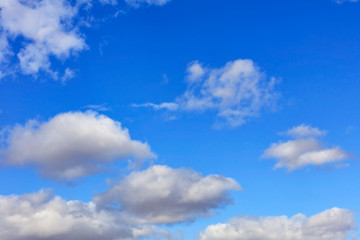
(71, 145)
(137, 3)
(237, 91)
(304, 130)
(164, 195)
(69, 74)
(40, 216)
(332, 224)
(301, 152)
(195, 72)
(47, 28)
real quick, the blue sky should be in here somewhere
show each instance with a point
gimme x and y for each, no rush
(172, 117)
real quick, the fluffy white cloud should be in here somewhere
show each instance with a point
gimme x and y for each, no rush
(40, 216)
(71, 145)
(137, 3)
(46, 26)
(164, 195)
(332, 224)
(301, 152)
(237, 91)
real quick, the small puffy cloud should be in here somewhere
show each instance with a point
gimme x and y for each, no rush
(304, 130)
(41, 216)
(137, 3)
(71, 145)
(195, 72)
(164, 195)
(301, 152)
(332, 224)
(237, 91)
(47, 28)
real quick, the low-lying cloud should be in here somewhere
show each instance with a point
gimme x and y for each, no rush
(332, 224)
(44, 216)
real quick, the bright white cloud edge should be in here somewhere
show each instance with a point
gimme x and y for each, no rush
(71, 145)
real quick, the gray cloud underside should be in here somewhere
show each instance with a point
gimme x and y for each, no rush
(164, 195)
(71, 145)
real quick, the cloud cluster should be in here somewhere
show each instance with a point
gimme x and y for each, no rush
(304, 150)
(237, 91)
(332, 224)
(47, 28)
(42, 216)
(159, 195)
(71, 145)
(163, 195)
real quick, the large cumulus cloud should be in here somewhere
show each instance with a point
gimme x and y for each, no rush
(71, 145)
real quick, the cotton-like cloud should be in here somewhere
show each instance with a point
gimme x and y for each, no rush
(301, 152)
(41, 216)
(71, 145)
(237, 91)
(47, 28)
(332, 224)
(164, 195)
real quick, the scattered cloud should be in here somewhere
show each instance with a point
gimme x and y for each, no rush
(42, 216)
(237, 92)
(304, 130)
(71, 145)
(163, 195)
(138, 3)
(304, 150)
(332, 224)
